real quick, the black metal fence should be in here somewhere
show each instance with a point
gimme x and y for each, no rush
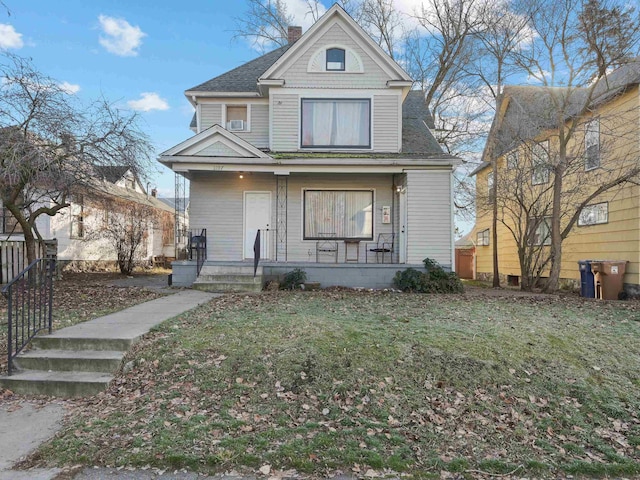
(29, 305)
(198, 247)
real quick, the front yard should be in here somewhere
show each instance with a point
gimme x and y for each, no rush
(320, 382)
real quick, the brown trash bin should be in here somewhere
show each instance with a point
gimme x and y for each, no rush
(608, 278)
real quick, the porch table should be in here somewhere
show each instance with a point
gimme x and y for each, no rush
(347, 258)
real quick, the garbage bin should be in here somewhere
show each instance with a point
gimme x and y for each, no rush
(608, 278)
(587, 284)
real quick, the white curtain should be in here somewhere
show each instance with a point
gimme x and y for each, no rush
(339, 214)
(335, 123)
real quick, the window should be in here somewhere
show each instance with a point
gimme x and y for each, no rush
(490, 187)
(540, 231)
(592, 144)
(77, 218)
(341, 123)
(594, 214)
(540, 163)
(237, 119)
(482, 238)
(338, 214)
(512, 160)
(9, 222)
(335, 59)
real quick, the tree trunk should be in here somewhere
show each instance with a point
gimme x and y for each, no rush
(494, 224)
(556, 238)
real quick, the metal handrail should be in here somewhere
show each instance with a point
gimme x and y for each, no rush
(29, 305)
(198, 244)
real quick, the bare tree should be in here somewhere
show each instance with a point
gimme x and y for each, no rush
(382, 21)
(49, 143)
(575, 44)
(126, 228)
(265, 23)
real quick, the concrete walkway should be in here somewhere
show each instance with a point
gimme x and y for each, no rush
(23, 426)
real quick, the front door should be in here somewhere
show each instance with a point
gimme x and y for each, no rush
(257, 216)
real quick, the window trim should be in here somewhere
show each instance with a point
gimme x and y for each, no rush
(545, 165)
(336, 99)
(304, 212)
(481, 234)
(596, 122)
(344, 60)
(580, 224)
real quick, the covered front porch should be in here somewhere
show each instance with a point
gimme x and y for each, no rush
(375, 276)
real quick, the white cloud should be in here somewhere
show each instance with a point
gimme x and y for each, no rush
(120, 37)
(69, 88)
(149, 101)
(9, 38)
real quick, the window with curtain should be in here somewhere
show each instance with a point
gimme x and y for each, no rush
(342, 123)
(338, 214)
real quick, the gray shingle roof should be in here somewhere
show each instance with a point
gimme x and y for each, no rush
(243, 78)
(416, 121)
(111, 173)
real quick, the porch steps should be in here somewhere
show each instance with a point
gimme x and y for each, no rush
(70, 360)
(229, 278)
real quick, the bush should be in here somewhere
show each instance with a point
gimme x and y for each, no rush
(433, 280)
(293, 279)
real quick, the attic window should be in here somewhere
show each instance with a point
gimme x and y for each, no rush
(335, 59)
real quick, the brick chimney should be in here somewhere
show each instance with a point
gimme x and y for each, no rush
(294, 33)
(154, 192)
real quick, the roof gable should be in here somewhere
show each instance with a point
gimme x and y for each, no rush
(215, 141)
(335, 16)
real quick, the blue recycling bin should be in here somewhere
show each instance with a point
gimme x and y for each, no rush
(587, 285)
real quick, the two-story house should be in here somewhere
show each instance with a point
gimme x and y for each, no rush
(322, 146)
(605, 146)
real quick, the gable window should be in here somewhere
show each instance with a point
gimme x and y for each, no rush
(335, 59)
(512, 160)
(237, 118)
(592, 144)
(540, 231)
(482, 238)
(339, 123)
(540, 163)
(338, 214)
(594, 214)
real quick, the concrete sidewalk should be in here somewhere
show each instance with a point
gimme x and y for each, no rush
(133, 322)
(23, 428)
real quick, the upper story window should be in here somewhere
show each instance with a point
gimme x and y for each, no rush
(594, 214)
(592, 144)
(490, 182)
(237, 118)
(336, 123)
(335, 59)
(482, 238)
(512, 160)
(540, 163)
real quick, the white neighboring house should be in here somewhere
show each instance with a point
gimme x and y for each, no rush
(321, 138)
(77, 228)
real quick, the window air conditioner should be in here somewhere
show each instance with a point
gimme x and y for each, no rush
(236, 125)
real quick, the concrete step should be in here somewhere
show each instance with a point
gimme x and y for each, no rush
(66, 342)
(215, 286)
(229, 278)
(243, 269)
(59, 384)
(70, 360)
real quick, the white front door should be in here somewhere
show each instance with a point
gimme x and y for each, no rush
(257, 216)
(402, 234)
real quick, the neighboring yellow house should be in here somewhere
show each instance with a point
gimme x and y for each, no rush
(604, 149)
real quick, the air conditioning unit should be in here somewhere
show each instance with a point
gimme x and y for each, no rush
(236, 125)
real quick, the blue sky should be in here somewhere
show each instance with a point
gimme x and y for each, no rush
(139, 54)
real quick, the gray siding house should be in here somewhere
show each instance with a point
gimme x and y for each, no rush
(322, 146)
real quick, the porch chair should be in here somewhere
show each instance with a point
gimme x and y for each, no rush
(327, 246)
(383, 246)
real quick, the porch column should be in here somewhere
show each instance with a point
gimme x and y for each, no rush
(282, 191)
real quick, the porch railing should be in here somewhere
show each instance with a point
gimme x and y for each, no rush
(198, 247)
(261, 247)
(13, 258)
(29, 305)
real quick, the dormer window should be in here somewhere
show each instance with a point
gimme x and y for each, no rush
(335, 59)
